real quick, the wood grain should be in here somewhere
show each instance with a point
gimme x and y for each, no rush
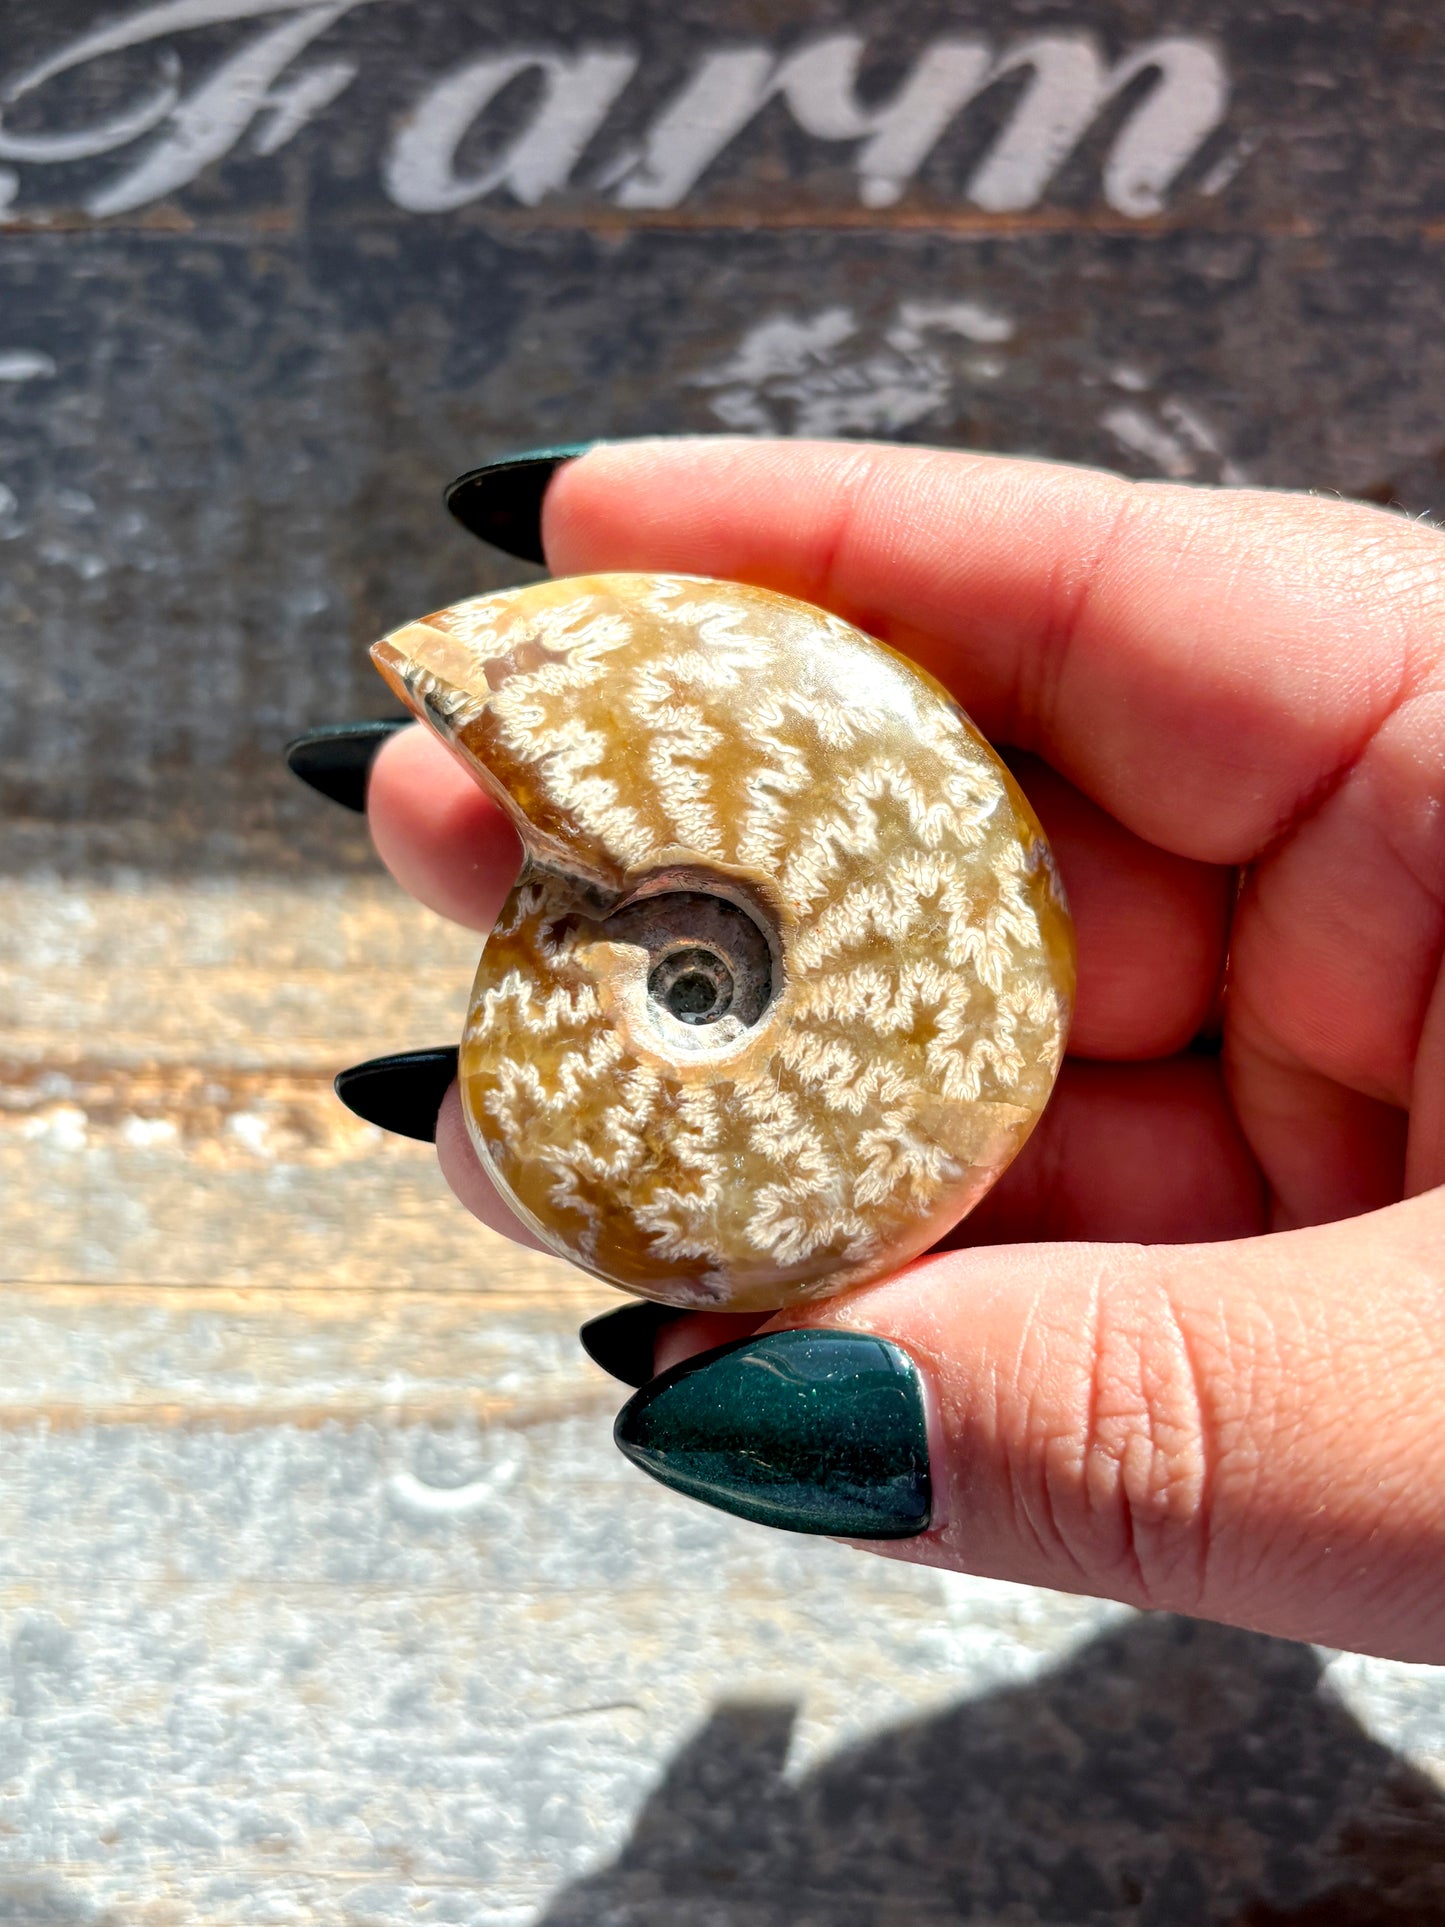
(227, 411)
(324, 1597)
(166, 1112)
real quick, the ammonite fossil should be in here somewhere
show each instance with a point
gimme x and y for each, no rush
(785, 980)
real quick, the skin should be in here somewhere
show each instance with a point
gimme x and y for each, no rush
(1188, 1354)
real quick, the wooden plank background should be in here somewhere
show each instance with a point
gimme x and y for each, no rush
(323, 1594)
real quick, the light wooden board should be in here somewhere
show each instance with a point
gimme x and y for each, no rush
(167, 1054)
(324, 1597)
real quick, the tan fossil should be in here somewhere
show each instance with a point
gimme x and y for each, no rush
(786, 978)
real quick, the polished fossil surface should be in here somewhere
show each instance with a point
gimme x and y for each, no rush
(786, 978)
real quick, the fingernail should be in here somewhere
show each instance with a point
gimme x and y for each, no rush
(811, 1431)
(401, 1093)
(337, 759)
(501, 502)
(624, 1342)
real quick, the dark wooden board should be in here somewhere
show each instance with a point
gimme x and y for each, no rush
(231, 387)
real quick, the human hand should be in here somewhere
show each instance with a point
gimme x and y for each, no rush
(1187, 1353)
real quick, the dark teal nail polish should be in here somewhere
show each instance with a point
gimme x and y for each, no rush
(812, 1431)
(501, 502)
(337, 758)
(402, 1093)
(624, 1342)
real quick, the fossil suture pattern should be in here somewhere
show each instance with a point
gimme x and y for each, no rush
(786, 977)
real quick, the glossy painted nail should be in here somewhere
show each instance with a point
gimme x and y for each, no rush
(624, 1342)
(337, 759)
(501, 502)
(812, 1431)
(402, 1093)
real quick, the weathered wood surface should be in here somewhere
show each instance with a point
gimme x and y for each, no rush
(244, 340)
(323, 1594)
(169, 1052)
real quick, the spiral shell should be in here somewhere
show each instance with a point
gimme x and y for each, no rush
(786, 977)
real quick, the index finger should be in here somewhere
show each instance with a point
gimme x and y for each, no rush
(1202, 663)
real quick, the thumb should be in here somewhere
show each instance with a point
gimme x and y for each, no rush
(1250, 1431)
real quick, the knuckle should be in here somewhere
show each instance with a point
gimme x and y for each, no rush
(1120, 1454)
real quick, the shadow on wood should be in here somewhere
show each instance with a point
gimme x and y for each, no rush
(1169, 1773)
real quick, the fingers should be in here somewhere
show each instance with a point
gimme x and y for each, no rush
(1150, 1153)
(1152, 929)
(1338, 949)
(1249, 1432)
(447, 843)
(1200, 664)
(442, 837)
(1238, 678)
(469, 1182)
